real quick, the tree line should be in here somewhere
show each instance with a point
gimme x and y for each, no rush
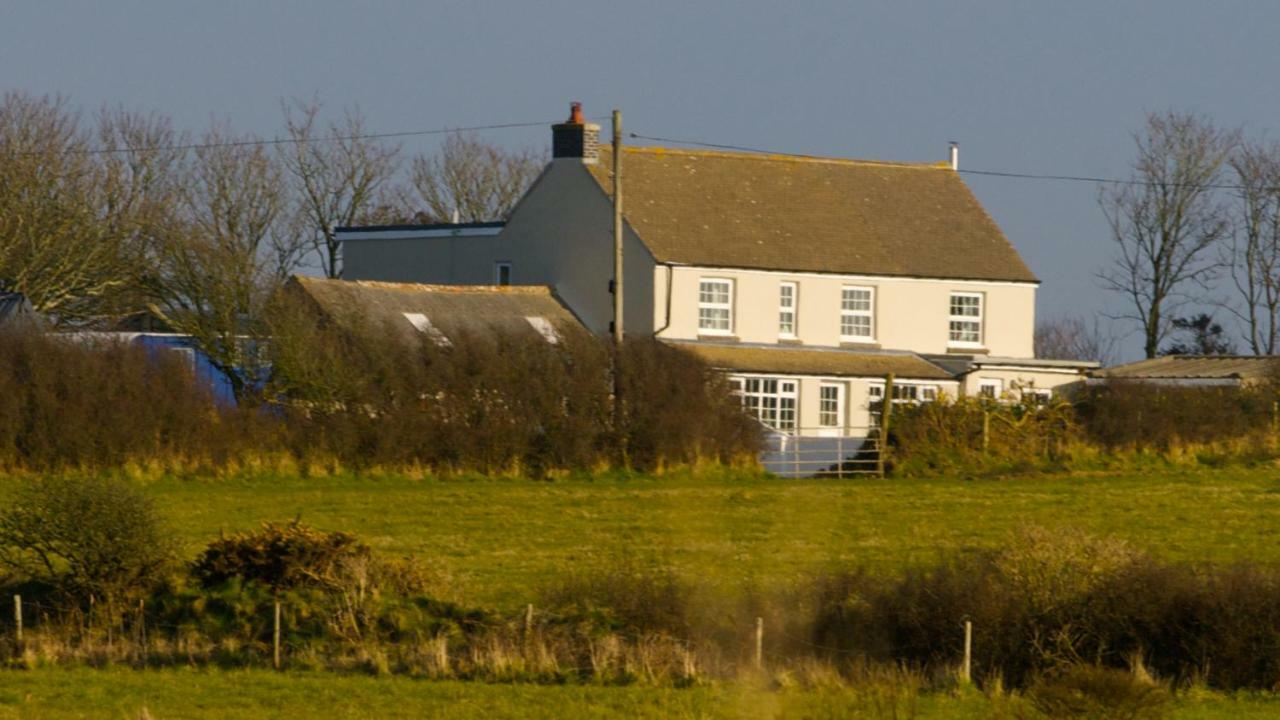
(1196, 231)
(120, 214)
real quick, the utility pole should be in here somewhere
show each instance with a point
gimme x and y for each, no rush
(617, 226)
(618, 407)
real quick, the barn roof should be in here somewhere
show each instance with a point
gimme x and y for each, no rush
(1247, 368)
(417, 310)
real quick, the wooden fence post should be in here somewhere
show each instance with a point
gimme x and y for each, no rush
(528, 621)
(759, 643)
(986, 430)
(275, 638)
(886, 413)
(17, 618)
(966, 670)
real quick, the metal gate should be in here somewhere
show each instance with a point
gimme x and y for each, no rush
(818, 452)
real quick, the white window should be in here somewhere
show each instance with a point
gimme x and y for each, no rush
(857, 314)
(1038, 397)
(771, 400)
(990, 388)
(904, 394)
(966, 319)
(788, 296)
(715, 307)
(830, 405)
(502, 273)
(422, 324)
(544, 328)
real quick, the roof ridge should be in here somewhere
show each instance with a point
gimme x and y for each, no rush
(780, 157)
(431, 287)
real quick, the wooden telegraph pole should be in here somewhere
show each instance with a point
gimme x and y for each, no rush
(617, 286)
(617, 226)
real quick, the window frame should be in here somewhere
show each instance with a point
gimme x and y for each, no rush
(793, 310)
(979, 320)
(498, 267)
(783, 414)
(839, 413)
(869, 313)
(726, 307)
(996, 383)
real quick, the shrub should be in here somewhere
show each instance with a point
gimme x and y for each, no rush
(72, 404)
(280, 556)
(957, 435)
(1098, 693)
(1154, 417)
(89, 538)
(624, 594)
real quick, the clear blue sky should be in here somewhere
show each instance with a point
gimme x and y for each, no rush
(1042, 87)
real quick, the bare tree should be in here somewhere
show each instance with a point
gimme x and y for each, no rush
(226, 255)
(54, 247)
(1072, 338)
(338, 179)
(473, 180)
(138, 190)
(1168, 220)
(1254, 255)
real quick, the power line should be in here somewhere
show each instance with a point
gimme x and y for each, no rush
(988, 173)
(296, 141)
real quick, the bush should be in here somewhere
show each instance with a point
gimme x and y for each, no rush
(489, 402)
(624, 594)
(74, 404)
(968, 434)
(1098, 693)
(1052, 600)
(495, 402)
(280, 556)
(91, 539)
(1142, 416)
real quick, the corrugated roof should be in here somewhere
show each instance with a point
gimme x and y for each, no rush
(450, 309)
(1243, 367)
(785, 213)
(805, 361)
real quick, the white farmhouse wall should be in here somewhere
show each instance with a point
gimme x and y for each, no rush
(910, 314)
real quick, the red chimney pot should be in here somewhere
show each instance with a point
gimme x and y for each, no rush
(575, 113)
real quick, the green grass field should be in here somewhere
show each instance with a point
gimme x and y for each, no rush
(500, 539)
(243, 695)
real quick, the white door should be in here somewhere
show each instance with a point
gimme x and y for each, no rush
(831, 415)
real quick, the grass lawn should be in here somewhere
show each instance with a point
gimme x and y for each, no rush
(499, 539)
(233, 695)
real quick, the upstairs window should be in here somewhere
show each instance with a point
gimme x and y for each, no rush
(966, 319)
(502, 273)
(715, 306)
(857, 314)
(788, 295)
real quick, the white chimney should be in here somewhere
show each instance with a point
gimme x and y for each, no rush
(955, 155)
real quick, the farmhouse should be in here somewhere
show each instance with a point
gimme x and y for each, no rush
(807, 280)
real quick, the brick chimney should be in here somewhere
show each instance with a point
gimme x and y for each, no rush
(575, 138)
